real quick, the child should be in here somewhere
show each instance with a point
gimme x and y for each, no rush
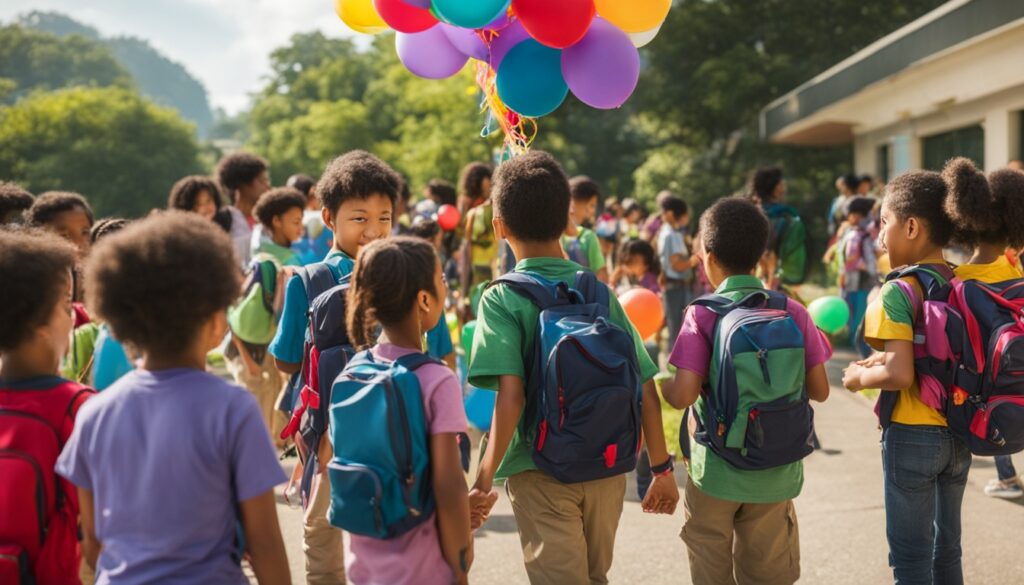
(13, 201)
(924, 465)
(989, 216)
(639, 263)
(358, 193)
(192, 457)
(36, 406)
(398, 283)
(439, 338)
(480, 247)
(316, 239)
(579, 242)
(197, 194)
(738, 521)
(567, 529)
(69, 216)
(858, 267)
(244, 178)
(676, 262)
(280, 212)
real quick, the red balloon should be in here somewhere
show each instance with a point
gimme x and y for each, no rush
(404, 17)
(448, 217)
(558, 24)
(644, 310)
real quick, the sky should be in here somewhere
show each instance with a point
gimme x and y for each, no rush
(223, 43)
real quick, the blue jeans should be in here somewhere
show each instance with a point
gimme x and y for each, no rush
(858, 303)
(925, 470)
(1004, 467)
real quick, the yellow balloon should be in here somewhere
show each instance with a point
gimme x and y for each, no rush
(360, 16)
(634, 16)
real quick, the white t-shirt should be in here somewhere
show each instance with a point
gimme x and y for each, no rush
(241, 236)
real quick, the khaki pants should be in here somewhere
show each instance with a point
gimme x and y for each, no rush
(734, 543)
(265, 386)
(567, 530)
(322, 543)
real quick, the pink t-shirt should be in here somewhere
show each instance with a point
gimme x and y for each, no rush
(414, 557)
(693, 347)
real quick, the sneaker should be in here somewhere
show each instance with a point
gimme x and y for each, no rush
(1006, 489)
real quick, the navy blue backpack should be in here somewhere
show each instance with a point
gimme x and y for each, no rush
(583, 386)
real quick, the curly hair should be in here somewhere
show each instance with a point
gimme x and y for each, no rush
(921, 194)
(35, 267)
(643, 249)
(471, 181)
(720, 225)
(357, 175)
(239, 169)
(185, 192)
(989, 210)
(13, 199)
(763, 182)
(531, 196)
(424, 228)
(49, 205)
(387, 277)
(106, 227)
(443, 191)
(198, 277)
(676, 205)
(583, 188)
(277, 202)
(304, 183)
(1008, 190)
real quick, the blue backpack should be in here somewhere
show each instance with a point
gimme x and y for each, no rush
(380, 472)
(583, 386)
(756, 411)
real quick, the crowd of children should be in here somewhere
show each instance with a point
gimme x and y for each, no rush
(330, 301)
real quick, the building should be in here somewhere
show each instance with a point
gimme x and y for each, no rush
(950, 83)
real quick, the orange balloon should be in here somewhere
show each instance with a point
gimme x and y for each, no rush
(644, 310)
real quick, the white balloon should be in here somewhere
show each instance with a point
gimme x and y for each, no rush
(642, 38)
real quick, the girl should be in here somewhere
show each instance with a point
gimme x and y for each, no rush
(196, 194)
(638, 263)
(989, 219)
(924, 466)
(398, 284)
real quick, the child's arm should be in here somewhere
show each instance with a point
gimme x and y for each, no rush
(263, 540)
(507, 410)
(817, 383)
(251, 366)
(895, 372)
(681, 263)
(602, 274)
(91, 546)
(452, 504)
(449, 360)
(663, 495)
(682, 390)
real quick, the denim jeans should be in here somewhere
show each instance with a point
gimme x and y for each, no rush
(925, 470)
(675, 298)
(858, 302)
(1004, 467)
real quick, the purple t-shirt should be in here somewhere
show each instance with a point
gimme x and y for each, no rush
(167, 456)
(414, 557)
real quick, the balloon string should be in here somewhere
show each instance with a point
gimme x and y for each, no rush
(519, 131)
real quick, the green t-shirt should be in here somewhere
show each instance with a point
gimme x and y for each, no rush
(284, 256)
(505, 330)
(77, 362)
(589, 248)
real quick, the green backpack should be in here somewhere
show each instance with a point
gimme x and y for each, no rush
(252, 319)
(789, 241)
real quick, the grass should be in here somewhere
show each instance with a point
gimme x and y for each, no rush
(671, 419)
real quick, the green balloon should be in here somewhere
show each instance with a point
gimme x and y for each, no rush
(830, 314)
(468, 331)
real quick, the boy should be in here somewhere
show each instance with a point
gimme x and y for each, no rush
(244, 178)
(35, 405)
(567, 530)
(676, 262)
(13, 201)
(280, 211)
(579, 242)
(740, 524)
(358, 192)
(858, 267)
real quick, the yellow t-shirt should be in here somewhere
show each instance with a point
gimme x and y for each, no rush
(999, 271)
(890, 317)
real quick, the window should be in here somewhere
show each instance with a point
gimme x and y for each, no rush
(938, 149)
(882, 163)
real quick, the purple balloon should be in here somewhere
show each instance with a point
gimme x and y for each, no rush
(602, 69)
(466, 40)
(418, 3)
(429, 54)
(501, 22)
(507, 38)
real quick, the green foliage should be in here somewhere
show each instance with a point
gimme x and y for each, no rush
(110, 144)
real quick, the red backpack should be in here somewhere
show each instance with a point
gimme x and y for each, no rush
(38, 509)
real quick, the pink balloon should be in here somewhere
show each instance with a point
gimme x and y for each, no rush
(466, 40)
(603, 68)
(509, 37)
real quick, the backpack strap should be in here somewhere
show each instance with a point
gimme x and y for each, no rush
(722, 305)
(540, 291)
(316, 280)
(415, 361)
(593, 290)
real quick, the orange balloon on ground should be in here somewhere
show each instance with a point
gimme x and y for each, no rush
(644, 310)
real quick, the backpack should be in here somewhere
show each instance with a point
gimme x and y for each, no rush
(968, 356)
(325, 355)
(252, 319)
(852, 251)
(38, 509)
(583, 386)
(789, 242)
(756, 411)
(380, 472)
(574, 249)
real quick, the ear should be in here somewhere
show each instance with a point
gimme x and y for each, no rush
(499, 228)
(328, 217)
(423, 300)
(912, 228)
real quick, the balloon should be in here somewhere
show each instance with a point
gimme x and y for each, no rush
(641, 39)
(830, 314)
(403, 17)
(429, 54)
(602, 70)
(468, 331)
(507, 38)
(530, 79)
(448, 217)
(501, 22)
(558, 24)
(634, 16)
(360, 16)
(644, 310)
(470, 13)
(480, 408)
(425, 4)
(467, 41)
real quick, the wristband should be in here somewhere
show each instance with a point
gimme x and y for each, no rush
(665, 468)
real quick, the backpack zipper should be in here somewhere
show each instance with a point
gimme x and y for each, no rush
(766, 316)
(40, 488)
(562, 411)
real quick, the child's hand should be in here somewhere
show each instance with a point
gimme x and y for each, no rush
(851, 377)
(480, 505)
(873, 360)
(662, 496)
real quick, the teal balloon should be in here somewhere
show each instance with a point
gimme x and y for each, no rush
(830, 314)
(469, 13)
(530, 79)
(468, 332)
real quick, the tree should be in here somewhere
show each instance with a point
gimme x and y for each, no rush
(118, 149)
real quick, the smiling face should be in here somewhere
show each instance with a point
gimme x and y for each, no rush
(359, 222)
(73, 225)
(288, 226)
(205, 205)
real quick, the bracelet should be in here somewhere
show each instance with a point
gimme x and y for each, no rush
(665, 468)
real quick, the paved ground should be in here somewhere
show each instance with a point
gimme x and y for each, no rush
(842, 522)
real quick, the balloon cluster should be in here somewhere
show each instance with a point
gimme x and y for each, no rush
(530, 53)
